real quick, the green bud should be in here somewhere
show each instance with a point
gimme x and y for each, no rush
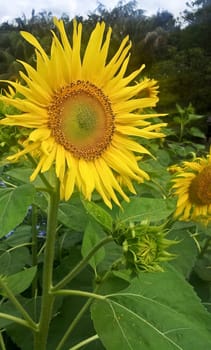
(144, 246)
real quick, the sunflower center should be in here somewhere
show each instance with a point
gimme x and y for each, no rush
(81, 119)
(200, 188)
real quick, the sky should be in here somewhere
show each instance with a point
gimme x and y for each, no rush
(15, 8)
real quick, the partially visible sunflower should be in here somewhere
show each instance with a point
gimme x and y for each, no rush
(192, 186)
(82, 112)
(151, 88)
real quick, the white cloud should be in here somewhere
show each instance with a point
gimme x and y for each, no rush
(174, 7)
(80, 7)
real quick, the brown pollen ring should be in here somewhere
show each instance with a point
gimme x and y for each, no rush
(81, 119)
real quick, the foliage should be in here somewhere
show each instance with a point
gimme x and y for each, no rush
(9, 137)
(133, 277)
(172, 49)
(104, 262)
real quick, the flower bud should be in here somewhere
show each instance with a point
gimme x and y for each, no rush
(144, 246)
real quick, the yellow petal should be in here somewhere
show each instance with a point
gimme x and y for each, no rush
(33, 41)
(87, 178)
(50, 158)
(40, 134)
(60, 162)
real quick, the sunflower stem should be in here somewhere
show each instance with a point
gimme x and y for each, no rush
(82, 264)
(40, 338)
(34, 246)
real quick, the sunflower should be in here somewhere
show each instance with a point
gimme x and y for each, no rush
(192, 185)
(81, 110)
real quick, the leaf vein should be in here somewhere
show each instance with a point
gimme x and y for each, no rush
(147, 323)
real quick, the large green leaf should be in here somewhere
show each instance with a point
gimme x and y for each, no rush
(19, 281)
(150, 209)
(157, 311)
(14, 203)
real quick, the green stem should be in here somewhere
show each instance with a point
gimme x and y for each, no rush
(34, 246)
(80, 314)
(73, 324)
(18, 306)
(18, 320)
(82, 264)
(19, 246)
(181, 131)
(80, 293)
(2, 344)
(40, 340)
(85, 342)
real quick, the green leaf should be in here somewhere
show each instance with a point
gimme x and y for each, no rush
(113, 253)
(192, 117)
(20, 236)
(23, 175)
(157, 311)
(149, 209)
(186, 251)
(14, 203)
(202, 268)
(32, 306)
(21, 336)
(73, 216)
(99, 214)
(12, 261)
(20, 281)
(180, 109)
(91, 238)
(8, 308)
(177, 120)
(196, 132)
(63, 319)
